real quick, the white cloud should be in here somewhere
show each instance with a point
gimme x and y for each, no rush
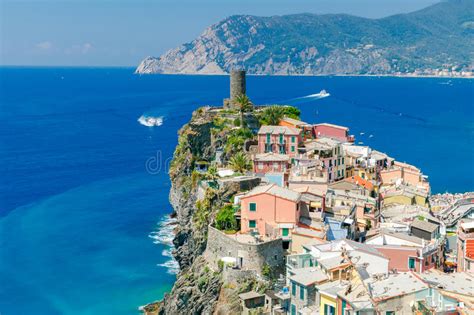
(86, 48)
(46, 45)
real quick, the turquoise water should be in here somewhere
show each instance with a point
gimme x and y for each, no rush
(78, 206)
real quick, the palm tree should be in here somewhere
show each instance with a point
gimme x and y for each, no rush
(272, 115)
(240, 163)
(245, 105)
(212, 174)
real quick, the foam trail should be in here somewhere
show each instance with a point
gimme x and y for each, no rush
(150, 121)
(310, 97)
(164, 235)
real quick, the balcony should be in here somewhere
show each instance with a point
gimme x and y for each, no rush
(299, 261)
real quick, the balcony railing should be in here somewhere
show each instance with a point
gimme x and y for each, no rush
(300, 261)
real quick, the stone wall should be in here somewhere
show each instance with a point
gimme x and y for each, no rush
(254, 256)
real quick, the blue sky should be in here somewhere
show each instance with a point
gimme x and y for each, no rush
(122, 32)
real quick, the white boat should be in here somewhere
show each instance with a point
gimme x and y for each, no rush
(150, 121)
(321, 94)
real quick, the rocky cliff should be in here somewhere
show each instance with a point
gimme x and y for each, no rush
(198, 289)
(438, 37)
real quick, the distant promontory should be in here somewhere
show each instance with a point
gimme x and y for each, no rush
(436, 41)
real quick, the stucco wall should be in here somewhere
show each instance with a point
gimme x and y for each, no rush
(275, 141)
(331, 132)
(399, 257)
(269, 167)
(270, 209)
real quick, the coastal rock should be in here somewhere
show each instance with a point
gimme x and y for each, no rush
(428, 41)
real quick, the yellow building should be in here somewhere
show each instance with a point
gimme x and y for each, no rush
(328, 297)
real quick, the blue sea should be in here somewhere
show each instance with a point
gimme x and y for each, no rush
(83, 219)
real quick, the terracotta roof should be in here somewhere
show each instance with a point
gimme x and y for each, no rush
(360, 181)
(295, 122)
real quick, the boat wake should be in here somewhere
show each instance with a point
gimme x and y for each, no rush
(150, 121)
(310, 97)
(319, 95)
(164, 236)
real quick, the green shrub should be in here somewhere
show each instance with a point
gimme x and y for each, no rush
(202, 283)
(225, 219)
(237, 122)
(267, 271)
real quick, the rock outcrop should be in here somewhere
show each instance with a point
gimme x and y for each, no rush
(439, 37)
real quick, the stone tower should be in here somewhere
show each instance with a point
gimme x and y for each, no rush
(237, 83)
(237, 87)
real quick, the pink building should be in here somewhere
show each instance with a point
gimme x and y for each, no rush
(407, 252)
(270, 163)
(332, 131)
(409, 174)
(330, 153)
(279, 139)
(271, 210)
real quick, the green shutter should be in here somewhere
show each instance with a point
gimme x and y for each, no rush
(281, 138)
(252, 206)
(292, 148)
(284, 231)
(411, 263)
(301, 292)
(293, 288)
(252, 224)
(293, 139)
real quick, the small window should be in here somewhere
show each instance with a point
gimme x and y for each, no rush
(252, 224)
(284, 232)
(292, 148)
(268, 138)
(338, 161)
(301, 293)
(293, 289)
(281, 138)
(293, 139)
(411, 263)
(252, 206)
(342, 160)
(293, 309)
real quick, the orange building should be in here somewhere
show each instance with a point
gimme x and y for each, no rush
(465, 245)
